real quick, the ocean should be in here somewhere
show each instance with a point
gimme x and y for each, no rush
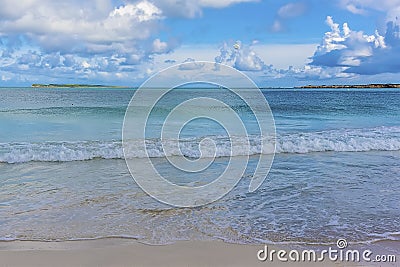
(336, 172)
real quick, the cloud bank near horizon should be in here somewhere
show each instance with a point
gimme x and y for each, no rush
(104, 41)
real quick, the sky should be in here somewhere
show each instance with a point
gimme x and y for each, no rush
(276, 43)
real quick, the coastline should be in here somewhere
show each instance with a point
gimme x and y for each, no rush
(310, 86)
(39, 85)
(129, 252)
(351, 86)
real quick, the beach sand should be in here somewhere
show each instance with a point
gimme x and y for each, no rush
(126, 252)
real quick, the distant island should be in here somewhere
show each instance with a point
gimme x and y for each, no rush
(373, 85)
(54, 85)
(335, 86)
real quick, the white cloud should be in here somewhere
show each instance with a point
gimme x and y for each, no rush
(82, 39)
(86, 40)
(82, 26)
(193, 8)
(85, 64)
(249, 61)
(173, 8)
(318, 73)
(291, 10)
(382, 5)
(191, 64)
(363, 7)
(355, 10)
(143, 11)
(241, 57)
(339, 47)
(358, 52)
(279, 55)
(160, 47)
(285, 12)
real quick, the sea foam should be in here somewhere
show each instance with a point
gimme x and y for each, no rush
(343, 140)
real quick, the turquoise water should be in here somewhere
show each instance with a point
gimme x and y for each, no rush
(336, 172)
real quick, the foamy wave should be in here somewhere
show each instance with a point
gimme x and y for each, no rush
(344, 140)
(59, 151)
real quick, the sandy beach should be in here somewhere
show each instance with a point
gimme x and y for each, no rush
(122, 252)
(126, 252)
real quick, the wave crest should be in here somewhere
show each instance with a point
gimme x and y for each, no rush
(343, 140)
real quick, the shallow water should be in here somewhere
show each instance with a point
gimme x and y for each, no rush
(336, 173)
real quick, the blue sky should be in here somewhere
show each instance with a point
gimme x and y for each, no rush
(276, 43)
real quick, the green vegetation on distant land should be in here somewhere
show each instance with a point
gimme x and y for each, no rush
(53, 85)
(374, 85)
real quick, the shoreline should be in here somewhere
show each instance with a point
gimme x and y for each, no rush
(129, 252)
(51, 85)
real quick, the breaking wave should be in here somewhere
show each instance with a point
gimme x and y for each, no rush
(343, 140)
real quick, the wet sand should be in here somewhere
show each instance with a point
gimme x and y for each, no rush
(127, 252)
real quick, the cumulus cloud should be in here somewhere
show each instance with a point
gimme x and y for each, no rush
(343, 53)
(142, 11)
(85, 36)
(80, 39)
(358, 52)
(346, 53)
(33, 64)
(88, 36)
(241, 57)
(79, 27)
